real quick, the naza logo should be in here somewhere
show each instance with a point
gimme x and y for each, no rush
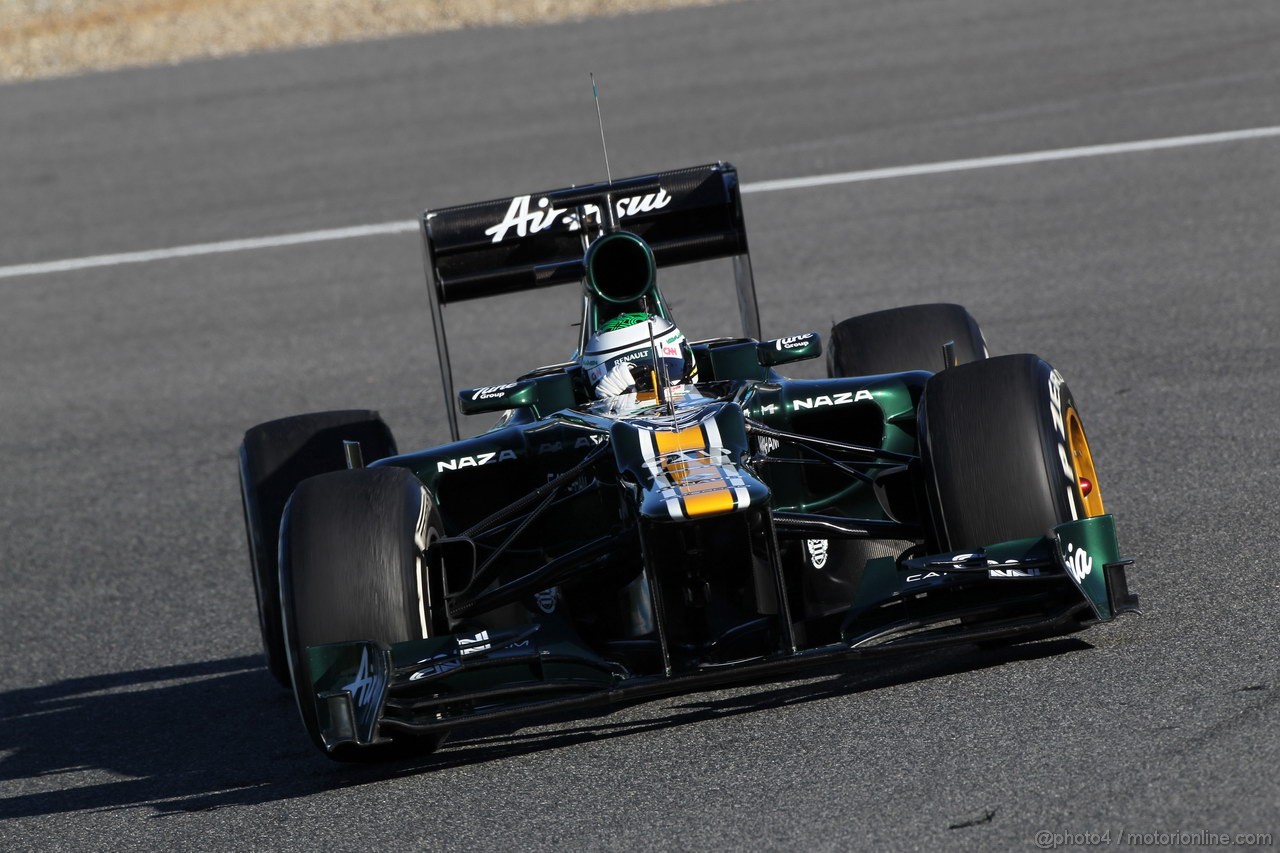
(475, 461)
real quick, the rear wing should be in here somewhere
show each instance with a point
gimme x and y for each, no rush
(489, 248)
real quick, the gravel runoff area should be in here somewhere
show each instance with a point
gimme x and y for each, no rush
(46, 38)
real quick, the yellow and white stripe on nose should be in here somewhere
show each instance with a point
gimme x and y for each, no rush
(692, 471)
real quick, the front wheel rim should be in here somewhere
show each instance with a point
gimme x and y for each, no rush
(1082, 463)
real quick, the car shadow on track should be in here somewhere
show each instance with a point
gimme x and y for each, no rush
(221, 733)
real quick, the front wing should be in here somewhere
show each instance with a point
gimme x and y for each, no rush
(1073, 577)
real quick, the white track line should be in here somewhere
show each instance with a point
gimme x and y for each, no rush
(43, 268)
(46, 267)
(1011, 160)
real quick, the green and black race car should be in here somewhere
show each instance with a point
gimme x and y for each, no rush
(711, 521)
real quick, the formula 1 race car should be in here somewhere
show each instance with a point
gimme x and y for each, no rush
(700, 519)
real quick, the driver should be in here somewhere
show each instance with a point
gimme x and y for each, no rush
(617, 358)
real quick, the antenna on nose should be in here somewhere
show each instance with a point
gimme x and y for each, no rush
(595, 93)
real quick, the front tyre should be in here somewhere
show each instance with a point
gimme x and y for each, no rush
(274, 458)
(1005, 452)
(352, 568)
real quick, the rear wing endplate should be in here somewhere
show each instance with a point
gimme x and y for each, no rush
(489, 248)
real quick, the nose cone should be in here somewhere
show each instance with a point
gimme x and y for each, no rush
(689, 470)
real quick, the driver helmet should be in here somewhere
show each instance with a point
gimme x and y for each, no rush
(617, 357)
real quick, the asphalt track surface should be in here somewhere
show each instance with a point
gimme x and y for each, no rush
(135, 712)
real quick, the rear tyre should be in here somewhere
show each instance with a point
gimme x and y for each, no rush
(274, 458)
(352, 568)
(906, 338)
(1005, 453)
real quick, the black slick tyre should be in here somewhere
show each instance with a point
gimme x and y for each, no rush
(274, 458)
(352, 568)
(1005, 453)
(906, 338)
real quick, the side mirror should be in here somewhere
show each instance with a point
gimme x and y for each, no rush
(789, 349)
(498, 398)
